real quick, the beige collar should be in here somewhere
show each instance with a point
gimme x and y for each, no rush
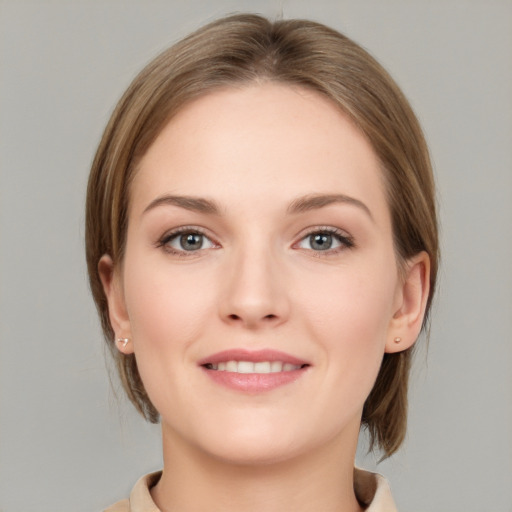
(371, 489)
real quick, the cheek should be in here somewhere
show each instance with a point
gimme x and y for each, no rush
(349, 316)
(168, 311)
(166, 308)
(352, 301)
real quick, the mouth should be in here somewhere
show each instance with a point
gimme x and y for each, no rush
(262, 367)
(253, 371)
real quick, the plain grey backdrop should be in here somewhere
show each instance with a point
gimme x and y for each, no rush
(66, 443)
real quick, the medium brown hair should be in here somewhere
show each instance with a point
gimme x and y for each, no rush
(246, 49)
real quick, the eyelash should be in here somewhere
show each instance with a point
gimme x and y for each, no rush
(184, 230)
(346, 241)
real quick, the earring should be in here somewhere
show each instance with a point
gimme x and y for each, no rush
(397, 340)
(124, 341)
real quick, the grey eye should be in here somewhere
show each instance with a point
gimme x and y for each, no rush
(191, 241)
(321, 241)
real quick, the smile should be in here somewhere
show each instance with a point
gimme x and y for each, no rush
(252, 367)
(253, 372)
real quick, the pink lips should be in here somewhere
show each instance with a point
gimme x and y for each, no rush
(253, 371)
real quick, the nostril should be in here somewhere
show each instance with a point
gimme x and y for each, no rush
(236, 317)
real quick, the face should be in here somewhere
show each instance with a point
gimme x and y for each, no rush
(259, 287)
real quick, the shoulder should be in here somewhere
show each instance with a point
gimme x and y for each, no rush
(120, 506)
(373, 492)
(140, 497)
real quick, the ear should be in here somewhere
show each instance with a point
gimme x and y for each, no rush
(411, 301)
(113, 288)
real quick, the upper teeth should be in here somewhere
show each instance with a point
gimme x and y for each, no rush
(250, 367)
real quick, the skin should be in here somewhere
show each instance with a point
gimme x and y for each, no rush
(259, 282)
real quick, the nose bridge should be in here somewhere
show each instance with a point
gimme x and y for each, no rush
(254, 293)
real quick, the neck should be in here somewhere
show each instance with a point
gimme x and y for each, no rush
(193, 480)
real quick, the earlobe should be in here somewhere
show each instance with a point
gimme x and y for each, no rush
(113, 289)
(414, 291)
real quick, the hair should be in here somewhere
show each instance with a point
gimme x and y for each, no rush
(244, 49)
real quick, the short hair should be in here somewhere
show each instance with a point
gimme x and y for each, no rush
(244, 49)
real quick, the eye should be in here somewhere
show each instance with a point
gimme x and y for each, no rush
(326, 240)
(186, 241)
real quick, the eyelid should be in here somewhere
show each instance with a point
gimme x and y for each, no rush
(175, 232)
(344, 238)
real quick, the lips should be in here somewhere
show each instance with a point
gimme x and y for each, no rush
(253, 371)
(250, 367)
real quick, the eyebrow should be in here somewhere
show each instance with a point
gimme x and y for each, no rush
(316, 201)
(196, 204)
(299, 205)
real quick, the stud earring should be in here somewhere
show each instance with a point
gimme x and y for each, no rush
(124, 341)
(397, 340)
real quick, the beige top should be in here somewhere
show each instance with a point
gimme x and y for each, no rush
(371, 489)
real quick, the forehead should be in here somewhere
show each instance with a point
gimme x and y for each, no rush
(268, 140)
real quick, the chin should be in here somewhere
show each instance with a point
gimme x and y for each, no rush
(255, 452)
(250, 442)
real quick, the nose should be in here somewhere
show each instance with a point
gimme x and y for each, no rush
(254, 291)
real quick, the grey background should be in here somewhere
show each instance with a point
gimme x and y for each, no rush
(66, 443)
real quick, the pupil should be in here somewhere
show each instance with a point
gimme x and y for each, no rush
(191, 241)
(321, 242)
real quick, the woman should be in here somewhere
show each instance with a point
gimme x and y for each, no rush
(262, 249)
